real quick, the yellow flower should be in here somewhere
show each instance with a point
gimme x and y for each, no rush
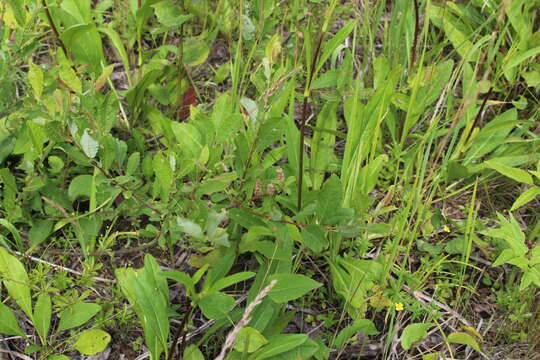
(446, 228)
(399, 307)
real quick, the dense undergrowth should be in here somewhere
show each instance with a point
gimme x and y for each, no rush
(269, 179)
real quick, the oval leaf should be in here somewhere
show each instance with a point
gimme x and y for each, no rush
(92, 341)
(412, 333)
(76, 315)
(464, 339)
(291, 286)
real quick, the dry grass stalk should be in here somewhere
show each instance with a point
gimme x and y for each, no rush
(231, 337)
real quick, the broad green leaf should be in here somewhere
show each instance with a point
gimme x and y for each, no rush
(92, 341)
(81, 185)
(412, 333)
(246, 219)
(9, 325)
(329, 200)
(76, 315)
(35, 78)
(40, 231)
(216, 306)
(42, 316)
(291, 286)
(216, 184)
(164, 173)
(84, 42)
(70, 79)
(360, 326)
(195, 52)
(189, 227)
(513, 173)
(249, 340)
(188, 137)
(526, 197)
(279, 344)
(314, 238)
(89, 145)
(464, 339)
(15, 280)
(192, 352)
(169, 14)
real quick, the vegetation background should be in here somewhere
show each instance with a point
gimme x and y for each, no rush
(269, 179)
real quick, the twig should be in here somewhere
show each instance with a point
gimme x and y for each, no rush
(16, 354)
(423, 297)
(229, 341)
(179, 332)
(416, 31)
(33, 258)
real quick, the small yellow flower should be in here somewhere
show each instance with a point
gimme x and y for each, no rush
(399, 307)
(446, 228)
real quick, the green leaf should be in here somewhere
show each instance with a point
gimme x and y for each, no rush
(133, 163)
(216, 306)
(291, 286)
(40, 231)
(279, 344)
(195, 52)
(58, 357)
(189, 227)
(231, 280)
(491, 135)
(192, 352)
(35, 78)
(77, 315)
(510, 232)
(84, 42)
(249, 340)
(360, 326)
(464, 339)
(169, 14)
(314, 238)
(42, 316)
(515, 60)
(329, 200)
(526, 197)
(412, 333)
(189, 138)
(516, 174)
(81, 185)
(18, 9)
(89, 145)
(9, 325)
(246, 219)
(15, 280)
(9, 226)
(117, 44)
(92, 341)
(331, 45)
(183, 279)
